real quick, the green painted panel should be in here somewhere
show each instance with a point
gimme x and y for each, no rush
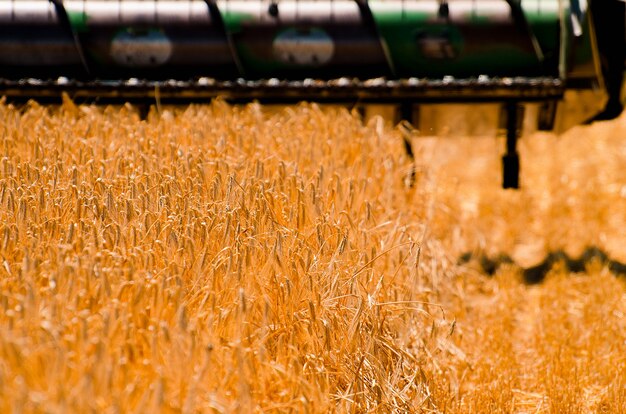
(421, 44)
(233, 20)
(258, 66)
(544, 22)
(78, 20)
(249, 58)
(258, 57)
(288, 52)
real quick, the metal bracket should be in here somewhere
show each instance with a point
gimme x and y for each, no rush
(510, 160)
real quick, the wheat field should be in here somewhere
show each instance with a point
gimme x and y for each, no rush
(220, 258)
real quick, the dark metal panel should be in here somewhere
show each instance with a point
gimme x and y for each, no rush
(153, 39)
(304, 38)
(33, 41)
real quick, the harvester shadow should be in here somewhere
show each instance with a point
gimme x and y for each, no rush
(536, 274)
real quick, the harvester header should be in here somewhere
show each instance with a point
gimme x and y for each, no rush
(204, 44)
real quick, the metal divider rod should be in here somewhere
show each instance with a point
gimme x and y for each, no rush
(368, 19)
(65, 21)
(216, 14)
(510, 160)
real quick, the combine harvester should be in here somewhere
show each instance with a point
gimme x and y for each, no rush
(402, 53)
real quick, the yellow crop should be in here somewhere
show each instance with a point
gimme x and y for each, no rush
(233, 259)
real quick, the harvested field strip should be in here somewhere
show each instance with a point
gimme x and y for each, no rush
(550, 348)
(229, 259)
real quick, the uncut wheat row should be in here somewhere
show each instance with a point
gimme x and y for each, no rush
(209, 258)
(218, 258)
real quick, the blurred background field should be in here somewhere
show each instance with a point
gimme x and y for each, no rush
(244, 259)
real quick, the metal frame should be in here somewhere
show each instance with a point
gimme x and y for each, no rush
(276, 91)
